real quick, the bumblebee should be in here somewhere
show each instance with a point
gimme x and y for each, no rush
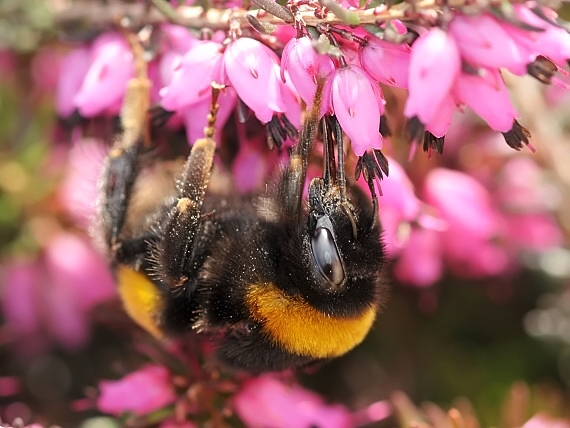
(275, 281)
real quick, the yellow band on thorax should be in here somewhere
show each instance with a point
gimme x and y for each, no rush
(302, 329)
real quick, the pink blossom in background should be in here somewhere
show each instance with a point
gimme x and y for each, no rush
(253, 164)
(112, 66)
(73, 70)
(140, 392)
(543, 421)
(78, 192)
(250, 68)
(358, 104)
(398, 205)
(266, 401)
(420, 262)
(389, 63)
(171, 423)
(53, 294)
(473, 223)
(304, 66)
(434, 64)
(45, 68)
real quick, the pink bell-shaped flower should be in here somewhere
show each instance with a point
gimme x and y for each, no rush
(358, 104)
(420, 261)
(434, 65)
(487, 95)
(192, 80)
(389, 63)
(73, 70)
(140, 392)
(265, 401)
(482, 41)
(249, 66)
(111, 68)
(304, 66)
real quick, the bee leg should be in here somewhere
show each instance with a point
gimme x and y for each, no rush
(291, 186)
(123, 161)
(174, 251)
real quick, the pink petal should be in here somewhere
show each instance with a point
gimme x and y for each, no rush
(536, 232)
(21, 295)
(434, 65)
(389, 63)
(196, 115)
(192, 81)
(356, 104)
(73, 71)
(267, 402)
(140, 392)
(420, 262)
(111, 68)
(487, 95)
(249, 65)
(484, 42)
(441, 120)
(304, 65)
(79, 192)
(462, 201)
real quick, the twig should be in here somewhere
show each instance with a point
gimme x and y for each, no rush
(101, 15)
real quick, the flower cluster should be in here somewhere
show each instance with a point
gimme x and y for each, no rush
(455, 60)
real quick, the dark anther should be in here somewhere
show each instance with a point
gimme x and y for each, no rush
(276, 133)
(431, 142)
(159, 116)
(415, 130)
(384, 128)
(292, 132)
(242, 110)
(517, 136)
(542, 69)
(372, 164)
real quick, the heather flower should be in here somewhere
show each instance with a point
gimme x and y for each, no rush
(78, 191)
(472, 223)
(250, 68)
(487, 95)
(420, 261)
(192, 80)
(304, 66)
(542, 421)
(265, 401)
(553, 42)
(358, 104)
(252, 164)
(140, 392)
(54, 294)
(398, 206)
(73, 70)
(483, 41)
(434, 64)
(195, 116)
(111, 68)
(389, 63)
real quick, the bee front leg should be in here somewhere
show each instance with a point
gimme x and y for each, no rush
(174, 251)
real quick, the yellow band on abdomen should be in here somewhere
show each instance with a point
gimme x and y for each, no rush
(303, 330)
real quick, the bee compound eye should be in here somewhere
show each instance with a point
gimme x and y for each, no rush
(326, 255)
